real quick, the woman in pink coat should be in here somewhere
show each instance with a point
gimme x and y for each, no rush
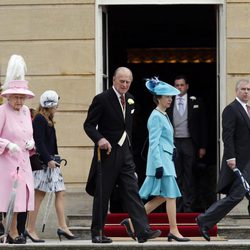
(16, 142)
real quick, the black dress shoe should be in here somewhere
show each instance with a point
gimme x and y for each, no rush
(173, 237)
(126, 224)
(26, 234)
(148, 234)
(18, 240)
(61, 233)
(104, 239)
(203, 230)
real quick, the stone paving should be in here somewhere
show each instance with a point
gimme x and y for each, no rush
(196, 243)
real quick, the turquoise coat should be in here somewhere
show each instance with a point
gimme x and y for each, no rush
(161, 144)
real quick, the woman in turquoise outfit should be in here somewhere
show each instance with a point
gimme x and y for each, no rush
(160, 182)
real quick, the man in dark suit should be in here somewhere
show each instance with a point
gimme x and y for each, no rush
(188, 117)
(236, 139)
(109, 125)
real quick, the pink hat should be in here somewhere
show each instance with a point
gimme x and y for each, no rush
(15, 82)
(18, 87)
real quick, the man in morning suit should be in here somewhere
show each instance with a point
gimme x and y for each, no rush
(236, 139)
(188, 117)
(109, 125)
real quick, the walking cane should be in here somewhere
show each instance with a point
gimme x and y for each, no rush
(99, 172)
(243, 180)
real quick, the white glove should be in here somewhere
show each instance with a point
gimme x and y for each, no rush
(30, 144)
(13, 148)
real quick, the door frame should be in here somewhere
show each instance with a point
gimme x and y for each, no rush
(156, 2)
(221, 49)
(221, 42)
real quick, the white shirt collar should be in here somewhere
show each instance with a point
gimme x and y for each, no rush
(116, 92)
(184, 97)
(118, 96)
(243, 104)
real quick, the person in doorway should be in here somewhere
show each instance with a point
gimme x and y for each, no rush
(50, 179)
(188, 117)
(109, 125)
(160, 182)
(16, 142)
(236, 138)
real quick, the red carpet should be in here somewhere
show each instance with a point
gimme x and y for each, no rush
(186, 224)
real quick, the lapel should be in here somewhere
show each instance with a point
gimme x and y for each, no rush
(190, 104)
(128, 108)
(116, 103)
(242, 112)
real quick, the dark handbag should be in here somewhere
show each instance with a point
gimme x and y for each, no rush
(36, 163)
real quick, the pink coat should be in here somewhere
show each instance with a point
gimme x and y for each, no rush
(15, 127)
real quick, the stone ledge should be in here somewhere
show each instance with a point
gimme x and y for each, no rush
(128, 244)
(234, 232)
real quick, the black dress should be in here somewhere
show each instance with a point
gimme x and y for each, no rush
(48, 180)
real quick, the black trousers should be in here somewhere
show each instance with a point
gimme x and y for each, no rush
(21, 222)
(119, 168)
(184, 163)
(221, 208)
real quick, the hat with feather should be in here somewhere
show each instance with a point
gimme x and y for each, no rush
(157, 87)
(15, 82)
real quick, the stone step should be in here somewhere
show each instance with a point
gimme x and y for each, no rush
(125, 244)
(80, 226)
(82, 220)
(235, 220)
(227, 232)
(232, 219)
(234, 232)
(82, 232)
(233, 226)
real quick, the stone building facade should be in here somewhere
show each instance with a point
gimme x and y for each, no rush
(64, 45)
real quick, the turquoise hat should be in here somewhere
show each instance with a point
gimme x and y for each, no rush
(157, 87)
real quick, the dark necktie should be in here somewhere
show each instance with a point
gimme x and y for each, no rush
(248, 110)
(122, 97)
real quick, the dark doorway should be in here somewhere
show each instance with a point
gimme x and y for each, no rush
(163, 27)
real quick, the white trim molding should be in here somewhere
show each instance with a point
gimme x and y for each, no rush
(98, 45)
(156, 2)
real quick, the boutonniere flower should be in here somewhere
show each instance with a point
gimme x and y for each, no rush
(130, 101)
(192, 98)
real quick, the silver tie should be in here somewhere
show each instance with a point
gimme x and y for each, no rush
(181, 106)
